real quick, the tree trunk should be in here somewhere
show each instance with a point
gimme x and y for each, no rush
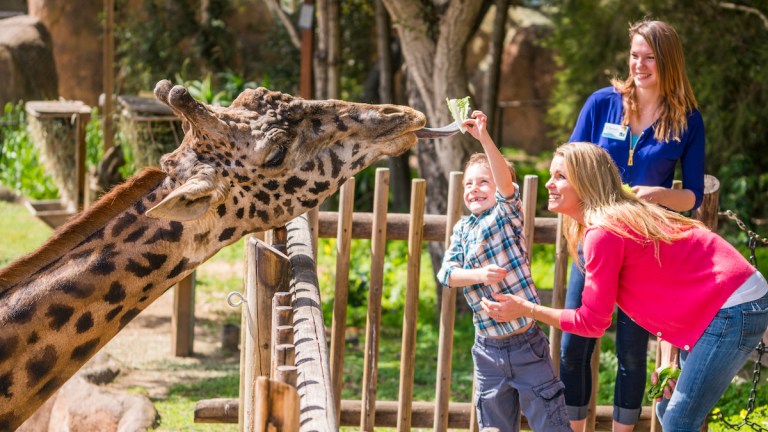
(434, 42)
(334, 50)
(320, 68)
(491, 82)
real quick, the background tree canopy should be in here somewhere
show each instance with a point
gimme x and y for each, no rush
(726, 51)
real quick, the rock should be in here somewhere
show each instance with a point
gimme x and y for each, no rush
(26, 61)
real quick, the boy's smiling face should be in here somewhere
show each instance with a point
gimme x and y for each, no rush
(479, 188)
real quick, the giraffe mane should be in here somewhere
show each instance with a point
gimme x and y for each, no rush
(79, 228)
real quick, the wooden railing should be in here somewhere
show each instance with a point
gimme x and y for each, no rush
(291, 381)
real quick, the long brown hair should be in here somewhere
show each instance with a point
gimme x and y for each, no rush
(606, 204)
(676, 95)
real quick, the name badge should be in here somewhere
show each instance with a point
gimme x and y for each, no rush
(615, 131)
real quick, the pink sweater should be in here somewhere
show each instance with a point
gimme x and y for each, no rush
(674, 297)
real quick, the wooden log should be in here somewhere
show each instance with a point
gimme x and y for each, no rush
(545, 228)
(559, 285)
(314, 386)
(447, 312)
(410, 313)
(285, 355)
(287, 374)
(225, 411)
(183, 317)
(707, 211)
(373, 314)
(529, 211)
(266, 273)
(341, 289)
(279, 407)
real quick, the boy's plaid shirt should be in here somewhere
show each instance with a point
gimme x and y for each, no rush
(493, 237)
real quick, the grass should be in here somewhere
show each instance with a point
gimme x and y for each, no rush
(18, 241)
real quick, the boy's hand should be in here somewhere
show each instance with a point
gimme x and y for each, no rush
(492, 274)
(476, 124)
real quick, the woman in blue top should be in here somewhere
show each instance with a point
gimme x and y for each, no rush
(647, 123)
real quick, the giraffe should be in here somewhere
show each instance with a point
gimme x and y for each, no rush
(250, 167)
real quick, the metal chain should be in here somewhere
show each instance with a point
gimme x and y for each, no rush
(752, 244)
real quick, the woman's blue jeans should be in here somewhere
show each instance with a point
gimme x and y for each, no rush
(709, 367)
(576, 353)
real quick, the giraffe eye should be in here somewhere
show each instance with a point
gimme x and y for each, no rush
(276, 157)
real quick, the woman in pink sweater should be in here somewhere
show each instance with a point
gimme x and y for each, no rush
(683, 283)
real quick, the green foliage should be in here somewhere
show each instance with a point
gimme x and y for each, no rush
(21, 232)
(153, 41)
(733, 406)
(20, 167)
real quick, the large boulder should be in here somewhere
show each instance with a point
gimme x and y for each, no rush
(26, 61)
(76, 31)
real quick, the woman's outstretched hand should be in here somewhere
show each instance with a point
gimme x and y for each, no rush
(506, 308)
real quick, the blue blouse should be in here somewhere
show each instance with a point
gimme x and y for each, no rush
(653, 161)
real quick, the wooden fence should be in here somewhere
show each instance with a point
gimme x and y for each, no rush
(291, 380)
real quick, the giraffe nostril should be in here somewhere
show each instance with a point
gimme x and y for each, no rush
(390, 111)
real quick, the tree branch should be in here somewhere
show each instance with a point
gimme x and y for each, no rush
(747, 9)
(277, 10)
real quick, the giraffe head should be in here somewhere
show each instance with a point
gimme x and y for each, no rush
(281, 154)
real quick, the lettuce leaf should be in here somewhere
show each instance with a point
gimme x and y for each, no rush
(459, 109)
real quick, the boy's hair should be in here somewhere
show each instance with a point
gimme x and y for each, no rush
(482, 159)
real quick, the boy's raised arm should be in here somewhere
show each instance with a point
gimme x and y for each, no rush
(501, 175)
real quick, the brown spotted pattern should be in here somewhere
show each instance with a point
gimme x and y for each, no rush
(249, 167)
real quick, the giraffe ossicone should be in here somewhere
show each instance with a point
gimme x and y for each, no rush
(252, 166)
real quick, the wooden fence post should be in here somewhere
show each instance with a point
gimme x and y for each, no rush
(278, 409)
(410, 313)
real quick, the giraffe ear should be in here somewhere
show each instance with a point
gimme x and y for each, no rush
(191, 200)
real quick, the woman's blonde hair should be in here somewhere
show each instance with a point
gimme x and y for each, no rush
(606, 204)
(677, 99)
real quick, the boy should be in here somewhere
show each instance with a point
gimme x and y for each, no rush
(487, 255)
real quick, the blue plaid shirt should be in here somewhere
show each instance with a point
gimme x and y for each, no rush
(493, 237)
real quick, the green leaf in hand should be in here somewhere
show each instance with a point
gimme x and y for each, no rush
(665, 374)
(459, 109)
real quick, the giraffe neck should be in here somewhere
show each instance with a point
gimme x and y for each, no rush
(87, 285)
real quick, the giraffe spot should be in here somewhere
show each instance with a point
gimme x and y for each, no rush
(319, 187)
(240, 213)
(178, 268)
(84, 323)
(271, 185)
(142, 299)
(239, 164)
(340, 124)
(202, 238)
(224, 173)
(309, 203)
(116, 293)
(228, 163)
(59, 315)
(321, 167)
(277, 196)
(147, 287)
(6, 421)
(279, 211)
(171, 234)
(264, 216)
(154, 262)
(22, 314)
(235, 200)
(221, 210)
(75, 289)
(358, 164)
(33, 338)
(317, 126)
(354, 115)
(308, 166)
(247, 188)
(6, 382)
(113, 313)
(355, 149)
(8, 347)
(122, 223)
(131, 314)
(262, 196)
(135, 235)
(292, 184)
(104, 263)
(241, 178)
(336, 164)
(140, 207)
(49, 387)
(84, 350)
(96, 235)
(40, 364)
(226, 234)
(251, 211)
(151, 197)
